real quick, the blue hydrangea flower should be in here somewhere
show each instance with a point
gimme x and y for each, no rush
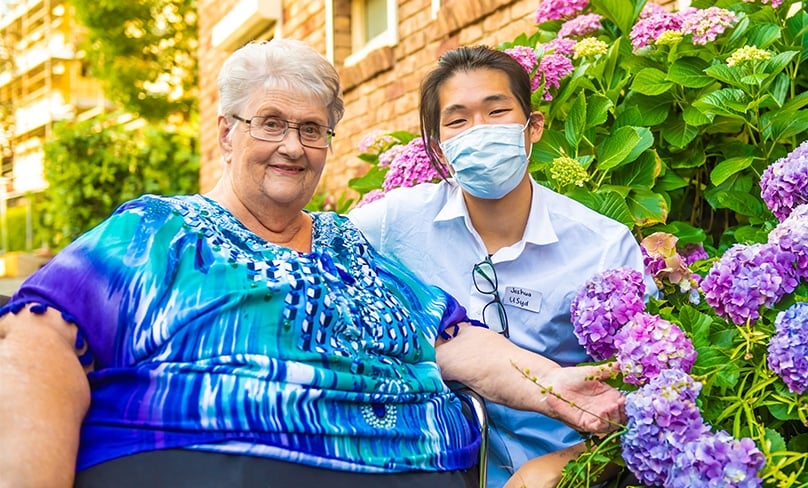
(604, 304)
(784, 183)
(648, 344)
(717, 461)
(788, 347)
(662, 418)
(748, 277)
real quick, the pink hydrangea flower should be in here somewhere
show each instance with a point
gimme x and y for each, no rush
(648, 29)
(559, 9)
(526, 57)
(581, 26)
(560, 45)
(410, 167)
(648, 344)
(705, 25)
(553, 68)
(775, 3)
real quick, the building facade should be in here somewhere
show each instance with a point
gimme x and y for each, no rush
(382, 49)
(42, 81)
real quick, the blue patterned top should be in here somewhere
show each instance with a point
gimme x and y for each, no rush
(205, 336)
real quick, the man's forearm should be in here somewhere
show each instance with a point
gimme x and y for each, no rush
(487, 363)
(504, 373)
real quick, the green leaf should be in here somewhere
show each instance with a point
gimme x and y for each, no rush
(727, 74)
(641, 174)
(670, 181)
(678, 134)
(615, 148)
(689, 72)
(647, 207)
(611, 204)
(553, 144)
(597, 110)
(694, 117)
(763, 35)
(729, 167)
(784, 124)
(621, 12)
(728, 102)
(372, 180)
(741, 202)
(651, 81)
(576, 119)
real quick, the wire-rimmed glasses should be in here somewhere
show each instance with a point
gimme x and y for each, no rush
(485, 280)
(274, 129)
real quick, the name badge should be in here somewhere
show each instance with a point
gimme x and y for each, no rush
(522, 298)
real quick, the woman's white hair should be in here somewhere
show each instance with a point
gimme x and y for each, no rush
(279, 63)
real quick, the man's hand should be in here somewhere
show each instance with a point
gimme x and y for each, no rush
(577, 396)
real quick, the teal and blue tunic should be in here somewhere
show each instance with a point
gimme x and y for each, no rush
(204, 336)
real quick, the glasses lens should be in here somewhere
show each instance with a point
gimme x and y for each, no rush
(494, 316)
(268, 128)
(485, 278)
(312, 134)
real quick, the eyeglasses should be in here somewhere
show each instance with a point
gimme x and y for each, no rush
(273, 129)
(485, 280)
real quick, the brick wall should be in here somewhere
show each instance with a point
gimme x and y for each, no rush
(381, 91)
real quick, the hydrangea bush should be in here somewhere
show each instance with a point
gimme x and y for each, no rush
(715, 368)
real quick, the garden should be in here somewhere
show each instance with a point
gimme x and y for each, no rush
(687, 126)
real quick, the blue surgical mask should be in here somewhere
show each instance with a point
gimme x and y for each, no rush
(488, 160)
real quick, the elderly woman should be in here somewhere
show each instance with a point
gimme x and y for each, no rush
(232, 338)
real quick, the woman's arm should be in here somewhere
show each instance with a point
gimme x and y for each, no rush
(44, 395)
(487, 363)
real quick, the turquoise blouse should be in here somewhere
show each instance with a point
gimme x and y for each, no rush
(204, 336)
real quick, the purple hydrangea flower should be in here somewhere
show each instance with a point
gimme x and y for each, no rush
(652, 8)
(526, 57)
(410, 167)
(648, 29)
(748, 277)
(717, 460)
(662, 418)
(788, 347)
(370, 196)
(560, 45)
(604, 304)
(581, 26)
(653, 264)
(692, 253)
(791, 235)
(559, 9)
(706, 24)
(553, 67)
(386, 158)
(784, 183)
(648, 344)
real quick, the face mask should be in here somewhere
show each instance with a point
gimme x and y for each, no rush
(488, 160)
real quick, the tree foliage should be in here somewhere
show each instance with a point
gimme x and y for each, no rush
(144, 51)
(95, 165)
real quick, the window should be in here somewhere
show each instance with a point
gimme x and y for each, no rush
(373, 25)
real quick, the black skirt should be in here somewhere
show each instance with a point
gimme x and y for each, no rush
(179, 468)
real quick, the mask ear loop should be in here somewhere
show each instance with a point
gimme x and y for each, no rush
(530, 151)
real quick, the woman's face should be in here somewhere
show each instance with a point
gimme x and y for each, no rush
(274, 175)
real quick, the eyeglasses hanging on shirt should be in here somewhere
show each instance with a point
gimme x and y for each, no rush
(485, 280)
